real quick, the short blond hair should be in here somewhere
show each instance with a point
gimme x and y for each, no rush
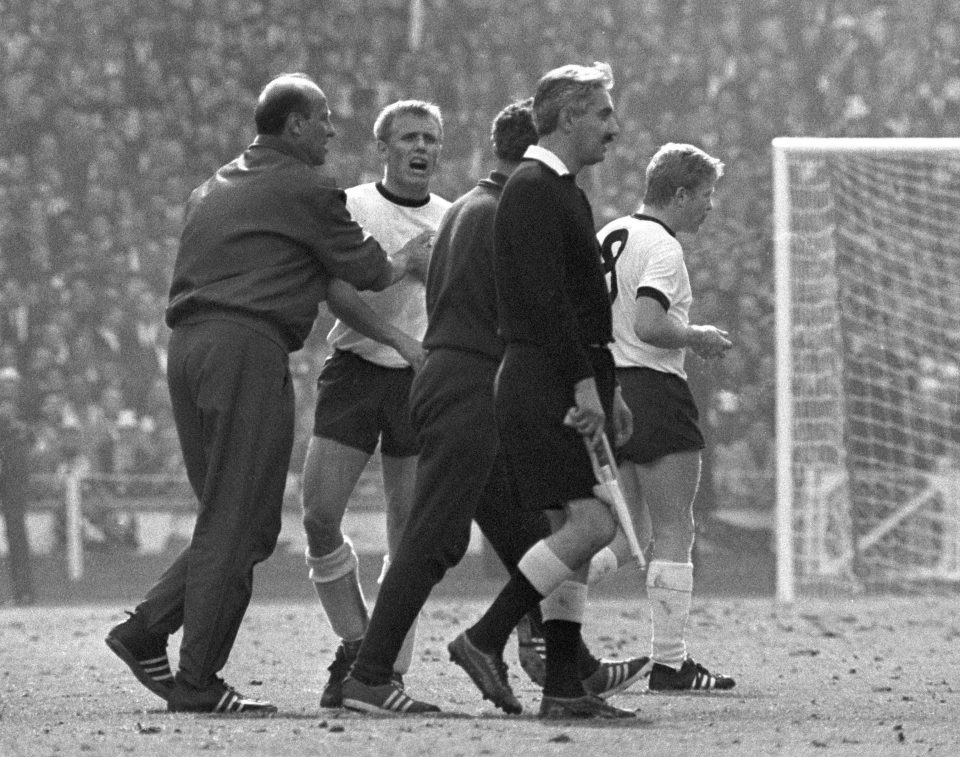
(384, 123)
(677, 165)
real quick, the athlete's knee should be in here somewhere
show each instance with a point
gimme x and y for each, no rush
(323, 531)
(606, 527)
(333, 565)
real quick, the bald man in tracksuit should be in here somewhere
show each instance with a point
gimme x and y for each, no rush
(262, 238)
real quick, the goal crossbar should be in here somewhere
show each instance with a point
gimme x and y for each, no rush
(865, 144)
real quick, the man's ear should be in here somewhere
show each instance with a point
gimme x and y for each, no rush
(681, 195)
(382, 149)
(294, 126)
(565, 118)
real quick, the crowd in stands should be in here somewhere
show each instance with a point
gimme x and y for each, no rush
(112, 110)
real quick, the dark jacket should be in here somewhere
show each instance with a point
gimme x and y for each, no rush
(461, 294)
(550, 281)
(263, 236)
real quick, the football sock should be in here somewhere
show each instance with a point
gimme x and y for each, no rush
(491, 632)
(562, 675)
(542, 568)
(539, 572)
(587, 664)
(567, 602)
(336, 579)
(669, 590)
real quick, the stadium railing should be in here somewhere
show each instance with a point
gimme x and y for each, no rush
(64, 495)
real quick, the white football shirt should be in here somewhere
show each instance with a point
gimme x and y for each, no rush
(647, 260)
(403, 304)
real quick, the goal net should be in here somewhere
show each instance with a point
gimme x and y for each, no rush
(867, 244)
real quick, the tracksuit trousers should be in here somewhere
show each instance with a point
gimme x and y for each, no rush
(233, 404)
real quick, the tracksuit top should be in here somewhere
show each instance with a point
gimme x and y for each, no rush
(461, 293)
(262, 238)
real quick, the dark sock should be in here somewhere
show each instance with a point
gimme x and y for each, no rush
(491, 632)
(587, 664)
(562, 638)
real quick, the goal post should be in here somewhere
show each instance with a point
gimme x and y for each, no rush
(867, 282)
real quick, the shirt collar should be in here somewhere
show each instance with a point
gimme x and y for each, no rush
(644, 217)
(495, 179)
(548, 158)
(405, 202)
(281, 145)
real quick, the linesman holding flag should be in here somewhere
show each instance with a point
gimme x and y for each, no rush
(452, 409)
(554, 316)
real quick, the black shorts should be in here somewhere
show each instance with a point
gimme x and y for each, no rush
(664, 415)
(547, 459)
(360, 403)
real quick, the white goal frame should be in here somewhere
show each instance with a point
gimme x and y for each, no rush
(782, 147)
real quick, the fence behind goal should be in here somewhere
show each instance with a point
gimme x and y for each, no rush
(867, 245)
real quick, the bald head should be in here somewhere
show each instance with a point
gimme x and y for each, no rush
(293, 108)
(286, 94)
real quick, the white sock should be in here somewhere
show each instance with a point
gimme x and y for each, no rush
(543, 569)
(567, 602)
(336, 579)
(602, 565)
(669, 589)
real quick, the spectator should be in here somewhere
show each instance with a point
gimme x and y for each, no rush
(110, 110)
(14, 476)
